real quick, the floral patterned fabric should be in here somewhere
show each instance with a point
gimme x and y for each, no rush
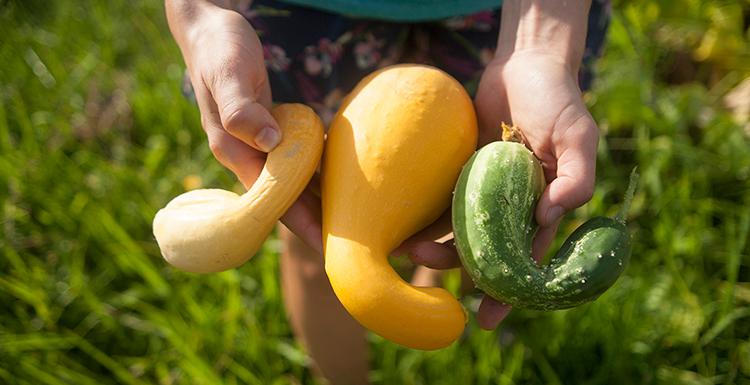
(402, 11)
(315, 57)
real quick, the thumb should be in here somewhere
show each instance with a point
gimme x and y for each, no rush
(576, 171)
(244, 109)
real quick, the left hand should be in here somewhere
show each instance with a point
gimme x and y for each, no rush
(539, 93)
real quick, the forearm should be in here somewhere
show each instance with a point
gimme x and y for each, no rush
(555, 27)
(184, 17)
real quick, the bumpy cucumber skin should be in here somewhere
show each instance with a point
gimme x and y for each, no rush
(493, 224)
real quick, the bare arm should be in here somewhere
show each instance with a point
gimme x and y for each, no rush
(551, 26)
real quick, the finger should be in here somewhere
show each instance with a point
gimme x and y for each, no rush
(436, 230)
(573, 184)
(245, 118)
(243, 160)
(435, 255)
(314, 184)
(491, 313)
(303, 219)
(542, 240)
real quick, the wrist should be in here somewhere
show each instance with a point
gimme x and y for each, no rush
(185, 18)
(556, 29)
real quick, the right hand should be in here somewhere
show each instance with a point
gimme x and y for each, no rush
(225, 62)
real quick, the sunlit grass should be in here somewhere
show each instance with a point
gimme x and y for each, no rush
(95, 136)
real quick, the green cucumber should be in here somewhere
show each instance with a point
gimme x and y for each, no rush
(493, 225)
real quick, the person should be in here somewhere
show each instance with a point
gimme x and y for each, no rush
(525, 63)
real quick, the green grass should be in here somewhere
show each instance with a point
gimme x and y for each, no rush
(95, 136)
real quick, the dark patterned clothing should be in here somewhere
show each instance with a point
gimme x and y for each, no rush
(315, 57)
(404, 11)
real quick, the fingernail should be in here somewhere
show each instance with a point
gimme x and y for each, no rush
(553, 214)
(268, 138)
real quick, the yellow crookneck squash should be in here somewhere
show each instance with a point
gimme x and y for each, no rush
(212, 230)
(393, 154)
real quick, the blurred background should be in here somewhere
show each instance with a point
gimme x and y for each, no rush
(95, 136)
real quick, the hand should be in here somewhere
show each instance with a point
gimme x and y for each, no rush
(541, 96)
(539, 93)
(532, 82)
(225, 62)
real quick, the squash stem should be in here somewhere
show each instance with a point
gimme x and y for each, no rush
(622, 215)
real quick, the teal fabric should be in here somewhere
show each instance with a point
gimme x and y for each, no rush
(401, 10)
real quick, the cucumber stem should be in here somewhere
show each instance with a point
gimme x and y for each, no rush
(511, 133)
(622, 215)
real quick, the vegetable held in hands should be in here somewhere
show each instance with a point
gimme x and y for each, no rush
(211, 230)
(493, 225)
(393, 154)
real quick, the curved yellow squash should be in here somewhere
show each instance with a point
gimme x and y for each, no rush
(211, 230)
(393, 154)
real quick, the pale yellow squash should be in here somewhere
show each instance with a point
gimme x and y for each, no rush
(212, 230)
(393, 154)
